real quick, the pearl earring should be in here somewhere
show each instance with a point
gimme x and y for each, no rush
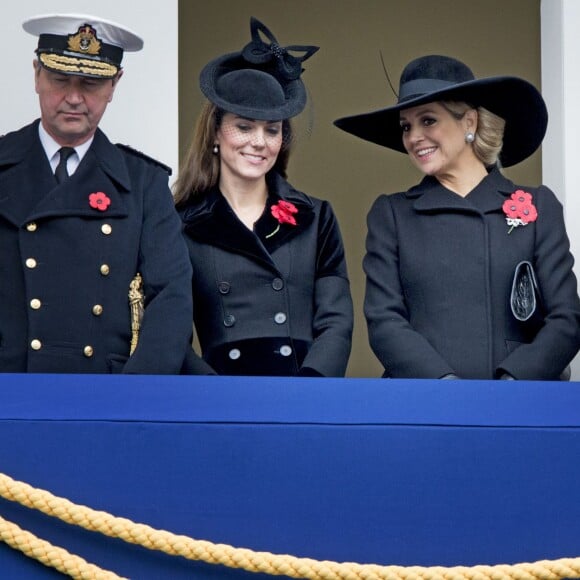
(469, 137)
(216, 149)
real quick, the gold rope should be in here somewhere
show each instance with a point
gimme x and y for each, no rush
(49, 555)
(265, 562)
(136, 299)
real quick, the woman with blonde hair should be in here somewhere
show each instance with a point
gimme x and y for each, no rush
(468, 274)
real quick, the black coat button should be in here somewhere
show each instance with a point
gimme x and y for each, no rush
(224, 287)
(229, 320)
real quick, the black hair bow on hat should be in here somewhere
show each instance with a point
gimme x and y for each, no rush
(287, 66)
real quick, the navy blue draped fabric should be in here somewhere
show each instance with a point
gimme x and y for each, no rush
(406, 472)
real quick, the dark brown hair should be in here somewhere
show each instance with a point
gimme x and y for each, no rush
(199, 171)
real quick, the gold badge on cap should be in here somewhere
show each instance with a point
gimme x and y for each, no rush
(85, 41)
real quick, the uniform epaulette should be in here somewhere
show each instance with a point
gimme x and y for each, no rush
(137, 153)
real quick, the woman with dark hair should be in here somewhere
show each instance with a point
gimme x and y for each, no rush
(270, 288)
(468, 275)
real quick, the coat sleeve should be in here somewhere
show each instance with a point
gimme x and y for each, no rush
(403, 352)
(558, 340)
(333, 311)
(166, 327)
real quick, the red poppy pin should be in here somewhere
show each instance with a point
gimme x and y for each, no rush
(519, 209)
(284, 212)
(99, 200)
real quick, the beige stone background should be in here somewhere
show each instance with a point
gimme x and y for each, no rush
(494, 37)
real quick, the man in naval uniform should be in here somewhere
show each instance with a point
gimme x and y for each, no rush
(80, 218)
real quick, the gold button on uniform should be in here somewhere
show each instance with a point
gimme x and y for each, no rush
(105, 269)
(31, 227)
(88, 351)
(106, 229)
(30, 263)
(35, 304)
(97, 310)
(36, 344)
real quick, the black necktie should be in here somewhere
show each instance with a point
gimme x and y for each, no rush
(61, 172)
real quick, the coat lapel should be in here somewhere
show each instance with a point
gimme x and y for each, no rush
(304, 216)
(71, 198)
(212, 221)
(28, 189)
(25, 174)
(431, 197)
(491, 193)
(111, 161)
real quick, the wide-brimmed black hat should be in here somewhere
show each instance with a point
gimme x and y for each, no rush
(262, 81)
(79, 44)
(441, 78)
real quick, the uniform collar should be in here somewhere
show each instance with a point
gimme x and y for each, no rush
(23, 168)
(16, 145)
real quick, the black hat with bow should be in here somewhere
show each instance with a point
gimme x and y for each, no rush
(261, 82)
(441, 78)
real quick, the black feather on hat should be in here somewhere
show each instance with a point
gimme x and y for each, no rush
(262, 81)
(441, 78)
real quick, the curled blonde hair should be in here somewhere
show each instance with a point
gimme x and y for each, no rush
(489, 135)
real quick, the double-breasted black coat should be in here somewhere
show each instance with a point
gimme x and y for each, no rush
(65, 267)
(439, 273)
(270, 304)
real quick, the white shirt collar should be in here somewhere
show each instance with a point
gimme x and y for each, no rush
(51, 148)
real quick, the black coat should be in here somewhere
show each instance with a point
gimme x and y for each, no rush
(65, 268)
(277, 305)
(439, 272)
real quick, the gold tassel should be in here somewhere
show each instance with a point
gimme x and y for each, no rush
(136, 300)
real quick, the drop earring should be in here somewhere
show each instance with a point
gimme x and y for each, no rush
(216, 149)
(469, 137)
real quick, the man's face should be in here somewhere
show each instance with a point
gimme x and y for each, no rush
(72, 106)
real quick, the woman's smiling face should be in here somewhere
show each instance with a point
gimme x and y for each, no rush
(435, 139)
(248, 148)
